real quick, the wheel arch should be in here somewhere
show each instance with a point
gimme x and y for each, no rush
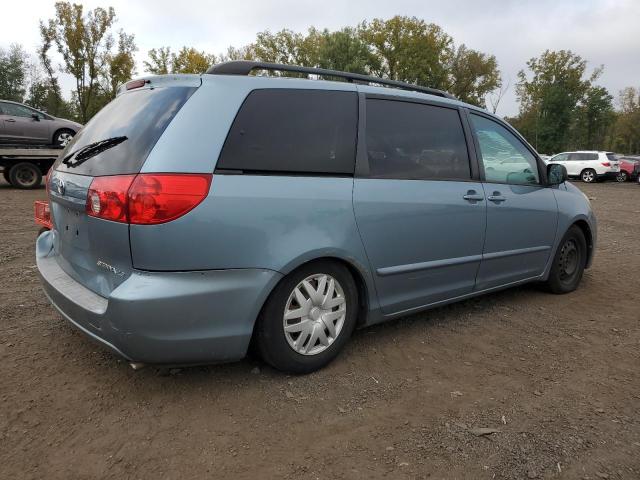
(583, 225)
(361, 276)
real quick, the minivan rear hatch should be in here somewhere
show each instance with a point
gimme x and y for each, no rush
(94, 251)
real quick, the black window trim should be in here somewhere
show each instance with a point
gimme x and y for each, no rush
(542, 169)
(287, 173)
(362, 159)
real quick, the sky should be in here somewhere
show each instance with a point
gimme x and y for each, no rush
(604, 32)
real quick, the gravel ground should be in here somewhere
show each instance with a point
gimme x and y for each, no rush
(555, 378)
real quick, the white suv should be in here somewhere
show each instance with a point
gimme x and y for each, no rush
(589, 165)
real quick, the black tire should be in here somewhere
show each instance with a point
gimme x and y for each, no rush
(5, 174)
(588, 175)
(271, 339)
(569, 262)
(622, 176)
(61, 136)
(25, 175)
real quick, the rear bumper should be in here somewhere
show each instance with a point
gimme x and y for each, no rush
(163, 317)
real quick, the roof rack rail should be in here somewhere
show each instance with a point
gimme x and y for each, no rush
(245, 67)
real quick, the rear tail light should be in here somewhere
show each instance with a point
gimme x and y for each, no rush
(42, 213)
(606, 164)
(147, 198)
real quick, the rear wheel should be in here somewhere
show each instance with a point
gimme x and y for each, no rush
(622, 177)
(25, 175)
(569, 262)
(588, 175)
(5, 174)
(308, 318)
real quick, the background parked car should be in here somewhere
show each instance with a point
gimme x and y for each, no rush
(629, 168)
(20, 123)
(588, 165)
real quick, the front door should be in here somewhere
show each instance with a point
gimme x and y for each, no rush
(21, 126)
(420, 214)
(522, 213)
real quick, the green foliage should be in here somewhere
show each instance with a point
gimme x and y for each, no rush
(85, 44)
(187, 60)
(625, 136)
(560, 107)
(13, 67)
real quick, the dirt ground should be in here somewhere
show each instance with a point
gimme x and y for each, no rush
(558, 377)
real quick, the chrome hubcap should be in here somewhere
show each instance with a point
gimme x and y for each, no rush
(64, 138)
(314, 314)
(587, 176)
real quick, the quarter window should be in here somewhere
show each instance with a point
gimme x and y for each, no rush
(415, 141)
(288, 130)
(504, 157)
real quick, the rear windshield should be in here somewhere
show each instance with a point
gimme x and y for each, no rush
(612, 156)
(141, 116)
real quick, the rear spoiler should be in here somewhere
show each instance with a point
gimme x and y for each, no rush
(152, 81)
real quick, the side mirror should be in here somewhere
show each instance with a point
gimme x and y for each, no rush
(556, 174)
(35, 116)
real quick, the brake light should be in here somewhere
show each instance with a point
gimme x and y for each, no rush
(606, 164)
(107, 197)
(160, 198)
(146, 198)
(136, 84)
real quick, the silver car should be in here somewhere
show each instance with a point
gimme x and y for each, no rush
(22, 124)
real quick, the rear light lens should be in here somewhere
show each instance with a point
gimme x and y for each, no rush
(107, 197)
(147, 198)
(606, 164)
(160, 198)
(42, 213)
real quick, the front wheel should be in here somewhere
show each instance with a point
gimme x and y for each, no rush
(588, 176)
(569, 262)
(308, 318)
(622, 177)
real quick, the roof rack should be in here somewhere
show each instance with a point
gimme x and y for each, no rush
(245, 67)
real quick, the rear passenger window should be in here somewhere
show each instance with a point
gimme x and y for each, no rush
(299, 131)
(415, 141)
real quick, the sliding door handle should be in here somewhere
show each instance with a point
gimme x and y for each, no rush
(472, 196)
(496, 197)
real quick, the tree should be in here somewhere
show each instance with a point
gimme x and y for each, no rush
(159, 61)
(187, 60)
(119, 66)
(592, 119)
(549, 94)
(13, 67)
(472, 75)
(342, 50)
(626, 130)
(409, 49)
(84, 42)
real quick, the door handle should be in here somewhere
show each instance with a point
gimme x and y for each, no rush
(10, 120)
(496, 197)
(472, 196)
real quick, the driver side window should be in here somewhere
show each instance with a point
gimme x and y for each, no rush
(504, 156)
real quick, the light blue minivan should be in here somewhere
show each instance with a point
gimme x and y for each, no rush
(198, 214)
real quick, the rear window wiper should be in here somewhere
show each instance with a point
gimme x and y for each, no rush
(83, 154)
